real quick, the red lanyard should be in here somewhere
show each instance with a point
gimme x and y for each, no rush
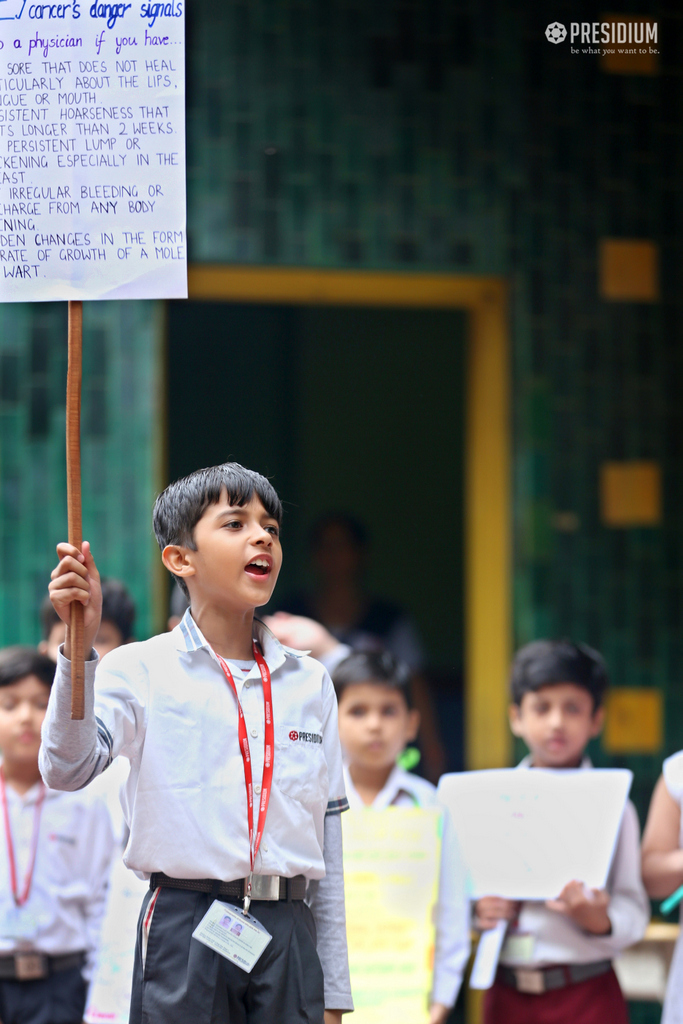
(21, 899)
(268, 748)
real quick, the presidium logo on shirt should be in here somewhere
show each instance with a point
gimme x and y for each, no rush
(305, 737)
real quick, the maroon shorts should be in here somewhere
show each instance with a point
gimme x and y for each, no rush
(595, 1001)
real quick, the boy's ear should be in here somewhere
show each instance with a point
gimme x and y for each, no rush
(413, 725)
(175, 558)
(515, 716)
(598, 721)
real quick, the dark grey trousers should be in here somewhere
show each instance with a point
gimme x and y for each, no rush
(57, 999)
(185, 982)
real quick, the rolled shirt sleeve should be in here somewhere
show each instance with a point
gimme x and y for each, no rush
(326, 900)
(629, 907)
(336, 797)
(72, 753)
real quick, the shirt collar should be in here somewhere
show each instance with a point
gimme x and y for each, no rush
(585, 762)
(399, 781)
(189, 637)
(31, 795)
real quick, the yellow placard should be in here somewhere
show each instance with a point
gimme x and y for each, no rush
(391, 870)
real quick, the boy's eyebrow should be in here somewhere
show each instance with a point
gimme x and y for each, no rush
(231, 510)
(240, 510)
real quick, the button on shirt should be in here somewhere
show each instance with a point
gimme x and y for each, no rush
(65, 907)
(166, 706)
(452, 947)
(558, 940)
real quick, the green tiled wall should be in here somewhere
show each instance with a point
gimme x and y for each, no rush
(441, 135)
(120, 443)
(452, 136)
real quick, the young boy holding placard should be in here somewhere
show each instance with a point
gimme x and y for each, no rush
(236, 784)
(376, 722)
(55, 851)
(556, 962)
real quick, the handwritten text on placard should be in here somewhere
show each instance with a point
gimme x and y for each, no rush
(92, 151)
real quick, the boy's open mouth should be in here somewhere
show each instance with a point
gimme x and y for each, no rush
(258, 567)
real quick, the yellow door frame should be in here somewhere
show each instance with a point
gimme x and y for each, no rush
(487, 450)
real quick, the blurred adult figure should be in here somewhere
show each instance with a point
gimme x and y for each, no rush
(340, 601)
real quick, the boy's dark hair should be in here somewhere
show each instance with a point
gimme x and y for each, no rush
(372, 667)
(118, 608)
(48, 617)
(545, 662)
(18, 662)
(179, 508)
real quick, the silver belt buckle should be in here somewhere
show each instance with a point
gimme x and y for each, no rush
(530, 981)
(265, 887)
(30, 966)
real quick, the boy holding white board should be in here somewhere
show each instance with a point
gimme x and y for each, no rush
(556, 961)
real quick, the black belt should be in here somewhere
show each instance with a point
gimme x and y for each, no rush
(545, 979)
(31, 966)
(286, 888)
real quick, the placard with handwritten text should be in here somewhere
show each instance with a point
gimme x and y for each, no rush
(92, 151)
(391, 872)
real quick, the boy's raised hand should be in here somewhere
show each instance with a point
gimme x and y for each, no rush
(76, 578)
(586, 907)
(489, 910)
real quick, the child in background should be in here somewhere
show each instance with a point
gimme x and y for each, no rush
(662, 861)
(376, 722)
(556, 963)
(116, 627)
(55, 852)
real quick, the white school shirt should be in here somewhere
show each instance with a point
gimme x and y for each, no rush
(452, 947)
(165, 705)
(558, 940)
(673, 1003)
(65, 907)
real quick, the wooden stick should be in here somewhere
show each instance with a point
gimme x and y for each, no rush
(73, 495)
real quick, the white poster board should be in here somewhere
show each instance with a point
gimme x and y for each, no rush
(92, 150)
(525, 833)
(109, 995)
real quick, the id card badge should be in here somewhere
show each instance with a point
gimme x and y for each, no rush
(519, 946)
(19, 924)
(237, 936)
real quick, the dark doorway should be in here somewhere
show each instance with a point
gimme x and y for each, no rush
(350, 408)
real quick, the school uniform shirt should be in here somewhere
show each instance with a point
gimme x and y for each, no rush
(166, 706)
(65, 906)
(553, 938)
(452, 945)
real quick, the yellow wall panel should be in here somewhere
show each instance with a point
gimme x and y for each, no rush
(630, 493)
(633, 723)
(629, 57)
(628, 270)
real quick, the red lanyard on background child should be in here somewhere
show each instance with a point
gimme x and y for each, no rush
(21, 898)
(268, 749)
